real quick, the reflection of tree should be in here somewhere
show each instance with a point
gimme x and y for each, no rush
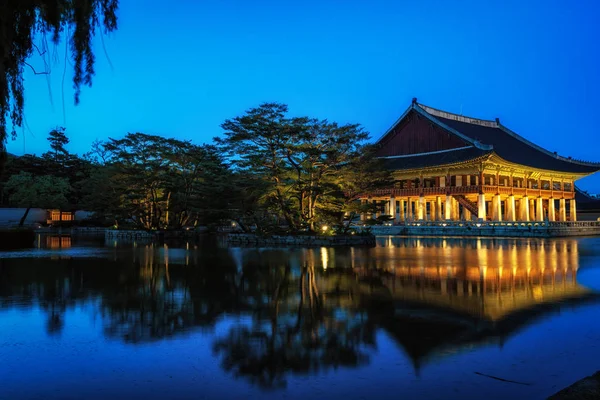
(155, 300)
(305, 324)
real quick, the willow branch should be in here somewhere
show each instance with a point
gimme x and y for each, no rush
(34, 71)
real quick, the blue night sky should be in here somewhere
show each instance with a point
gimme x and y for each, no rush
(181, 70)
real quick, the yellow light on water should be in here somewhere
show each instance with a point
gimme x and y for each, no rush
(324, 257)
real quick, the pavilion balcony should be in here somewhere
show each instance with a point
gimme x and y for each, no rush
(473, 189)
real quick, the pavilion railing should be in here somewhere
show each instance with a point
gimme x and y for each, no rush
(473, 189)
(486, 224)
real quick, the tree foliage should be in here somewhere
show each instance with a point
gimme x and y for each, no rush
(310, 168)
(25, 22)
(28, 191)
(158, 182)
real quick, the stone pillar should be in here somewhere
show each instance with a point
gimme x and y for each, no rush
(421, 208)
(481, 214)
(448, 208)
(510, 207)
(401, 216)
(392, 208)
(438, 208)
(497, 208)
(562, 210)
(551, 209)
(467, 215)
(539, 210)
(455, 210)
(573, 205)
(532, 210)
(524, 209)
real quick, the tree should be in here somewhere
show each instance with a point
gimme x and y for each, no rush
(258, 142)
(58, 140)
(158, 182)
(28, 191)
(302, 162)
(24, 21)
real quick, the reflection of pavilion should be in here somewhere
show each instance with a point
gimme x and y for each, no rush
(451, 294)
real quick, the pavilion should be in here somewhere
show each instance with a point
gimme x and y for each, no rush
(451, 167)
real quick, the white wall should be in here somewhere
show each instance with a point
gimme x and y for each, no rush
(12, 216)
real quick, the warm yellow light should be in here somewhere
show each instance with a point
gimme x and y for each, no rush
(324, 228)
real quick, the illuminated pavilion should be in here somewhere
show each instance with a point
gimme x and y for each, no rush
(451, 295)
(451, 167)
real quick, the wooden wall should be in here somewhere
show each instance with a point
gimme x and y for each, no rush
(416, 134)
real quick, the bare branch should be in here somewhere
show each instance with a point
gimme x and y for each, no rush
(41, 53)
(34, 71)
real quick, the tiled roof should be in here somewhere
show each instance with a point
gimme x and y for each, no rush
(515, 150)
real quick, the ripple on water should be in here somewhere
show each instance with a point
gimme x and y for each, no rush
(81, 252)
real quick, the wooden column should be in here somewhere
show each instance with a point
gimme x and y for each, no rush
(438, 208)
(448, 208)
(481, 181)
(573, 205)
(392, 208)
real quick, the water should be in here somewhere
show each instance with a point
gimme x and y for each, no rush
(411, 318)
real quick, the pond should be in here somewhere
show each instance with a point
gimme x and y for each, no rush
(415, 318)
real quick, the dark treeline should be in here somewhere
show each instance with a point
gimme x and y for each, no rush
(268, 170)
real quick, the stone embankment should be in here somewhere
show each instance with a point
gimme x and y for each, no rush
(248, 239)
(112, 234)
(138, 234)
(542, 229)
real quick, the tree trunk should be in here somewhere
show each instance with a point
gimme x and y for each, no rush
(167, 210)
(24, 217)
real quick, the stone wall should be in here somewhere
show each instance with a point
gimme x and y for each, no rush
(300, 240)
(541, 229)
(127, 234)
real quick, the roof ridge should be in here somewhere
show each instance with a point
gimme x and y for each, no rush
(543, 150)
(461, 118)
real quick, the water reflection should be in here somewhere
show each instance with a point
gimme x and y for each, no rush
(306, 310)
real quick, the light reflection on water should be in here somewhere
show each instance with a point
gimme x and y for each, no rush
(412, 317)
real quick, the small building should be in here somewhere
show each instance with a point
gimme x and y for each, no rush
(451, 167)
(55, 216)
